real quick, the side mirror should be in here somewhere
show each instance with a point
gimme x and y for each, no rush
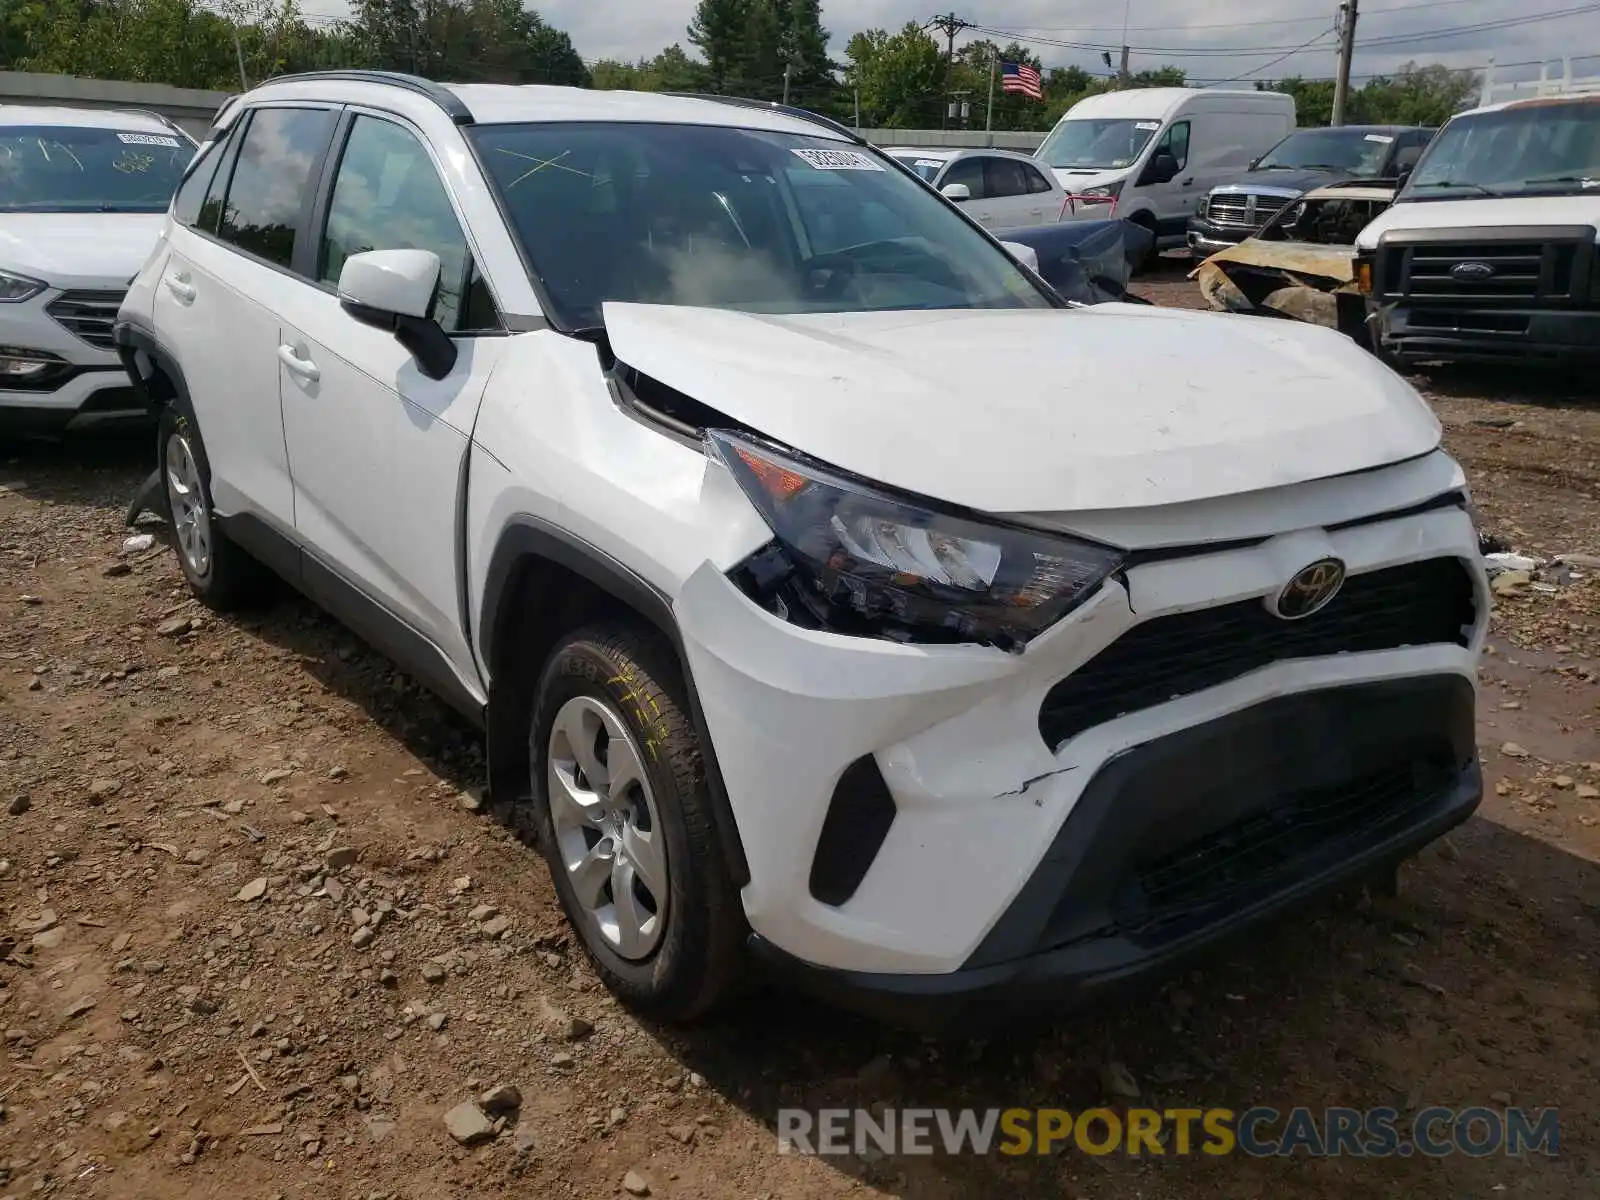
(395, 290)
(1403, 175)
(1163, 168)
(1026, 255)
(956, 191)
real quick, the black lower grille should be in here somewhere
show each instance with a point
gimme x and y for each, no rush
(1225, 868)
(1505, 268)
(1417, 604)
(89, 315)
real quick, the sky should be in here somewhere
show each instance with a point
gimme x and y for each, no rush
(1161, 32)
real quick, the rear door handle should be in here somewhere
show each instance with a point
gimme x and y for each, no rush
(180, 287)
(302, 367)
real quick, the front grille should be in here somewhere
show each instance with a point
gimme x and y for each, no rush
(1417, 604)
(1264, 850)
(1481, 274)
(89, 315)
(1243, 210)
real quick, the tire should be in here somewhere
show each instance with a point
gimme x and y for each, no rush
(221, 575)
(1152, 257)
(610, 688)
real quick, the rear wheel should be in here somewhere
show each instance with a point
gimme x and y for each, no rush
(625, 823)
(218, 572)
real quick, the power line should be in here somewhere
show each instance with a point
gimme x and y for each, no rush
(1393, 8)
(1256, 70)
(1244, 51)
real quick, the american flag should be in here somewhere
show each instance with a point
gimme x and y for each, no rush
(1020, 77)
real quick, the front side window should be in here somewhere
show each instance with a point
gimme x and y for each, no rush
(72, 168)
(1355, 151)
(1176, 143)
(1545, 149)
(271, 177)
(969, 173)
(388, 195)
(187, 205)
(1006, 178)
(733, 218)
(1098, 144)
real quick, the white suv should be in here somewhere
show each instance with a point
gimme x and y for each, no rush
(83, 195)
(835, 596)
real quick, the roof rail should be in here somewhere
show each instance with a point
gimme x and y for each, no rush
(442, 96)
(788, 110)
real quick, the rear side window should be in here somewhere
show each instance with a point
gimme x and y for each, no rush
(271, 180)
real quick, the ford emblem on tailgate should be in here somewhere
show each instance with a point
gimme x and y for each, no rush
(1472, 272)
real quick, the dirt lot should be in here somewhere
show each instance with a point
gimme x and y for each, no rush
(255, 941)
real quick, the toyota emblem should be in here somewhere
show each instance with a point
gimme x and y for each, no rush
(1310, 590)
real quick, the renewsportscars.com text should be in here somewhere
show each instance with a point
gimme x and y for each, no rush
(1258, 1132)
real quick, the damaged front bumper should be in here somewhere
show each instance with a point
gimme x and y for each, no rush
(926, 824)
(1303, 282)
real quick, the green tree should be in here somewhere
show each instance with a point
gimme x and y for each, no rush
(718, 30)
(811, 72)
(758, 70)
(898, 78)
(1414, 95)
(1313, 98)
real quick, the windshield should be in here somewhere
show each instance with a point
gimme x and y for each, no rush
(67, 168)
(1334, 149)
(1536, 148)
(1102, 144)
(928, 168)
(734, 218)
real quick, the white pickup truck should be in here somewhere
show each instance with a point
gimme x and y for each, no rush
(1491, 251)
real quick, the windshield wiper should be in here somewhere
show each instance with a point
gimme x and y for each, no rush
(1588, 181)
(1455, 183)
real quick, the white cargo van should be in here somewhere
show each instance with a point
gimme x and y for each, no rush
(1152, 154)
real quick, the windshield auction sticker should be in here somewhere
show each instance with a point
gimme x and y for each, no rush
(147, 139)
(838, 160)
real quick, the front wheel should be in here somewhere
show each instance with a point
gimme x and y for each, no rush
(624, 819)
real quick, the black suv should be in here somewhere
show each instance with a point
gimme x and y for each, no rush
(1306, 159)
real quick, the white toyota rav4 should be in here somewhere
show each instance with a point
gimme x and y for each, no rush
(83, 195)
(836, 596)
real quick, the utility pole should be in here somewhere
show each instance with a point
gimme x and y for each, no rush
(1122, 73)
(988, 115)
(949, 25)
(1347, 51)
(788, 70)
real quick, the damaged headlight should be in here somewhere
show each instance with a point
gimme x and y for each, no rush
(856, 559)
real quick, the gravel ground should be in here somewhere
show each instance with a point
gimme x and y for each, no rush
(258, 937)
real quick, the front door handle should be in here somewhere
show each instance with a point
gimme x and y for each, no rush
(180, 287)
(303, 367)
(1189, 181)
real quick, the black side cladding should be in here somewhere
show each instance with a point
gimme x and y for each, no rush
(853, 832)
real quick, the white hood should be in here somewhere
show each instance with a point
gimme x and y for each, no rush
(94, 250)
(1079, 179)
(1114, 406)
(1483, 211)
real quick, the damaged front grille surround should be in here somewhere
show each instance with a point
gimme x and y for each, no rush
(1430, 602)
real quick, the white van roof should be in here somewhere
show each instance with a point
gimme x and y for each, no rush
(1157, 104)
